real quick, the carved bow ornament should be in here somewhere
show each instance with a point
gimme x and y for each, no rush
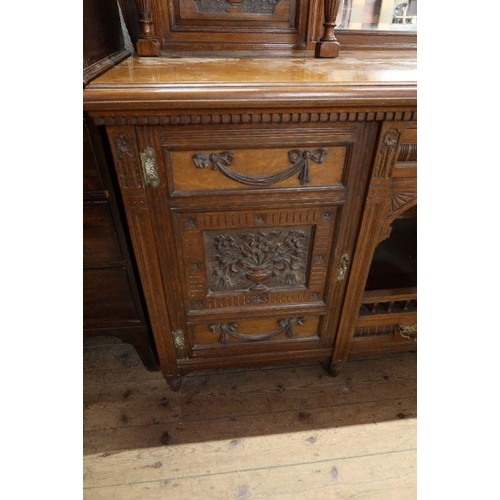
(225, 330)
(300, 160)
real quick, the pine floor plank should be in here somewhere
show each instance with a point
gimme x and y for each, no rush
(143, 402)
(251, 392)
(256, 392)
(191, 431)
(287, 432)
(216, 457)
(113, 362)
(103, 354)
(300, 377)
(389, 476)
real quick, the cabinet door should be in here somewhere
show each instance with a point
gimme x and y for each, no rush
(248, 233)
(240, 264)
(380, 312)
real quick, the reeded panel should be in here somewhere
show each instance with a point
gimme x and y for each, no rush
(406, 155)
(260, 258)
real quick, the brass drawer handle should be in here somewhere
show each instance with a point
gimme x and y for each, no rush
(342, 268)
(148, 161)
(299, 159)
(229, 330)
(178, 336)
(408, 331)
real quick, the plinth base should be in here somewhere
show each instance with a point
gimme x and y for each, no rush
(327, 49)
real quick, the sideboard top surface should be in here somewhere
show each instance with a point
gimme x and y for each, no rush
(354, 78)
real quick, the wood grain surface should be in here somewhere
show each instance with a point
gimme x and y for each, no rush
(285, 432)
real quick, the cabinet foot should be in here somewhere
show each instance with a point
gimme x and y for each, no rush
(174, 383)
(335, 368)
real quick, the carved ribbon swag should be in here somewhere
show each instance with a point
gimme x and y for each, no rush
(299, 159)
(287, 326)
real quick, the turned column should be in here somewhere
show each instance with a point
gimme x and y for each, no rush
(328, 46)
(147, 45)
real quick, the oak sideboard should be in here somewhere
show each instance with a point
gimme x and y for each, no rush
(271, 203)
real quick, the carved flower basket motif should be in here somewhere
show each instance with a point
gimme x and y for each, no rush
(256, 257)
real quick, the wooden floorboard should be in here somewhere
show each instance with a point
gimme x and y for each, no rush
(192, 431)
(283, 432)
(389, 476)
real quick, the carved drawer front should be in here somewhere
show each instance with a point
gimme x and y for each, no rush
(256, 258)
(258, 168)
(256, 161)
(246, 333)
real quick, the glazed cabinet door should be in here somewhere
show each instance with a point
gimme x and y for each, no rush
(380, 309)
(247, 235)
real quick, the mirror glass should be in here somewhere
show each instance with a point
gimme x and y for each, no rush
(387, 15)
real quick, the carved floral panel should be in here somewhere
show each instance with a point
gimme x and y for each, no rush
(257, 259)
(260, 258)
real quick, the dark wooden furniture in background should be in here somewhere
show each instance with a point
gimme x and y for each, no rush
(256, 190)
(112, 301)
(103, 41)
(131, 20)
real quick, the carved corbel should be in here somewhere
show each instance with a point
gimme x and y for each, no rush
(148, 44)
(386, 155)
